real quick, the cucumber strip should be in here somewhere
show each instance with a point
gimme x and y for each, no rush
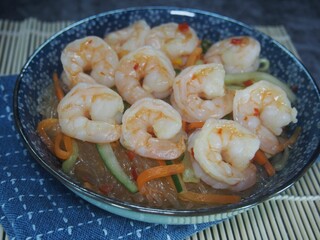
(111, 162)
(188, 175)
(175, 179)
(238, 79)
(68, 164)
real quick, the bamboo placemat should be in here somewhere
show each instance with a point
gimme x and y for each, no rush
(294, 214)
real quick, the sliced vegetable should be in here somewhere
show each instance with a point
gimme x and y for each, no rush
(205, 45)
(240, 78)
(261, 159)
(280, 160)
(111, 162)
(194, 57)
(57, 87)
(175, 178)
(42, 129)
(194, 125)
(67, 142)
(208, 198)
(188, 174)
(264, 65)
(157, 172)
(68, 164)
(293, 138)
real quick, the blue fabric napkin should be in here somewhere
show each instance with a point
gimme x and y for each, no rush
(34, 205)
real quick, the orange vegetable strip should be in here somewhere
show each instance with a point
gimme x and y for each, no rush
(57, 87)
(261, 159)
(184, 126)
(194, 125)
(67, 141)
(194, 56)
(41, 129)
(208, 198)
(158, 172)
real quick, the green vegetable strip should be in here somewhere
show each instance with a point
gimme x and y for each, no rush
(239, 78)
(175, 179)
(68, 164)
(264, 65)
(111, 162)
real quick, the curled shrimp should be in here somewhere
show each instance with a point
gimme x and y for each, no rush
(145, 72)
(237, 54)
(152, 128)
(91, 112)
(199, 93)
(128, 39)
(90, 60)
(264, 109)
(175, 40)
(221, 152)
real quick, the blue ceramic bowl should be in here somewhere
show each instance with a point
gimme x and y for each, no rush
(37, 74)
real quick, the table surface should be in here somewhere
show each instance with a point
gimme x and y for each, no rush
(294, 213)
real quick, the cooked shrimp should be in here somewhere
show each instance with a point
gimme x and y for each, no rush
(199, 93)
(175, 40)
(90, 60)
(153, 129)
(91, 112)
(221, 152)
(128, 39)
(145, 72)
(237, 54)
(264, 109)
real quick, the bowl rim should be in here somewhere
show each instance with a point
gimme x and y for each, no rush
(60, 176)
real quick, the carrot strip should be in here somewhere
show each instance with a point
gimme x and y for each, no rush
(261, 159)
(42, 127)
(208, 198)
(157, 172)
(57, 87)
(193, 57)
(67, 141)
(184, 126)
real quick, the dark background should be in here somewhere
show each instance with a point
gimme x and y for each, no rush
(300, 18)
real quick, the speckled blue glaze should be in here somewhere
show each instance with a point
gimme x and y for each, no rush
(37, 74)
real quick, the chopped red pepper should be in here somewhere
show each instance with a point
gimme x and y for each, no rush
(134, 173)
(192, 152)
(236, 41)
(248, 83)
(256, 112)
(136, 66)
(130, 155)
(105, 188)
(183, 27)
(294, 88)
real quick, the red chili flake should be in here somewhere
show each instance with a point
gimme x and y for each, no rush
(236, 41)
(136, 66)
(248, 83)
(134, 173)
(192, 152)
(105, 188)
(256, 112)
(294, 88)
(183, 27)
(130, 155)
(219, 130)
